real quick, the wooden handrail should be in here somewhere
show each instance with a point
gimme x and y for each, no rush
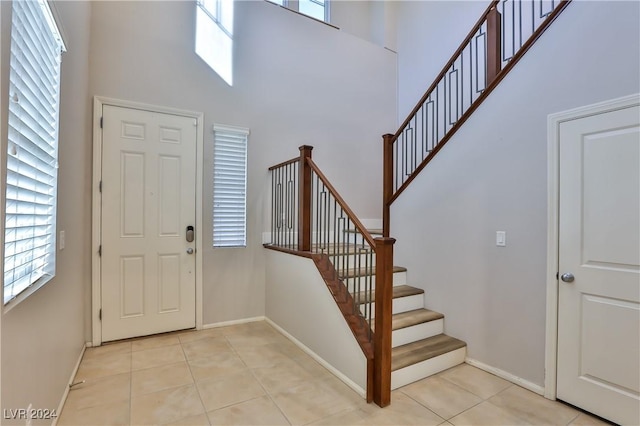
(378, 371)
(359, 226)
(494, 77)
(444, 70)
(284, 163)
(375, 346)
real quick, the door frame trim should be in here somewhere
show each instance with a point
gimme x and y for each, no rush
(553, 202)
(96, 221)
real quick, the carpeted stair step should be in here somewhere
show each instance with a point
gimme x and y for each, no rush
(422, 350)
(423, 358)
(405, 298)
(398, 292)
(415, 325)
(415, 317)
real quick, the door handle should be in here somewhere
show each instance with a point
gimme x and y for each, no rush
(190, 234)
(567, 277)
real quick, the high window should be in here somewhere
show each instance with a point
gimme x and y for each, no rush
(32, 160)
(214, 36)
(229, 186)
(318, 9)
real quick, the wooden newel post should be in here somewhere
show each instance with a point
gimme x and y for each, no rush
(382, 333)
(387, 182)
(304, 199)
(494, 48)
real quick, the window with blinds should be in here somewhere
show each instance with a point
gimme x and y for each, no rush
(229, 186)
(30, 204)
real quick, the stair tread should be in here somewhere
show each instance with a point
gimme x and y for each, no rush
(410, 318)
(422, 350)
(359, 272)
(398, 292)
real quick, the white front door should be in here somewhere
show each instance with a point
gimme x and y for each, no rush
(599, 265)
(148, 207)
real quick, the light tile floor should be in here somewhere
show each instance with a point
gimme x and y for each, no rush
(250, 374)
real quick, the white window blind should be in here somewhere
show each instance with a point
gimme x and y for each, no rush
(229, 186)
(30, 205)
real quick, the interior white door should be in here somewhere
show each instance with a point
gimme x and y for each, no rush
(148, 203)
(599, 262)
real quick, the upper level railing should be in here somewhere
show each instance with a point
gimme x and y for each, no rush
(310, 218)
(502, 35)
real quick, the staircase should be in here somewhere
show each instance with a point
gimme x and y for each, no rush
(419, 346)
(401, 339)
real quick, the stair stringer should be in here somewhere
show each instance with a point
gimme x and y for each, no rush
(344, 300)
(358, 325)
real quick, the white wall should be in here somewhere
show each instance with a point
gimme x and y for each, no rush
(42, 337)
(493, 176)
(296, 81)
(299, 301)
(3, 92)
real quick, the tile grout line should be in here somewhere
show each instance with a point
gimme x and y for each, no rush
(195, 384)
(245, 364)
(267, 393)
(470, 391)
(439, 375)
(489, 402)
(422, 405)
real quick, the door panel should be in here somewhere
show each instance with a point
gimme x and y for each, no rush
(599, 243)
(148, 200)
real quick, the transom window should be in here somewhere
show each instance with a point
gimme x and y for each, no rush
(214, 36)
(318, 9)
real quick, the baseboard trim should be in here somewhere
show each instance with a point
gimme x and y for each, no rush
(347, 381)
(507, 376)
(68, 387)
(232, 322)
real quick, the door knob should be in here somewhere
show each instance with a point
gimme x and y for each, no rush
(189, 250)
(567, 277)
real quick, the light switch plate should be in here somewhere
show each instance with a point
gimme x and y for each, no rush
(501, 238)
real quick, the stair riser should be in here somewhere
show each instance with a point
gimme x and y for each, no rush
(416, 332)
(405, 304)
(399, 278)
(421, 370)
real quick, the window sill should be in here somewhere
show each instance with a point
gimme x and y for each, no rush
(26, 293)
